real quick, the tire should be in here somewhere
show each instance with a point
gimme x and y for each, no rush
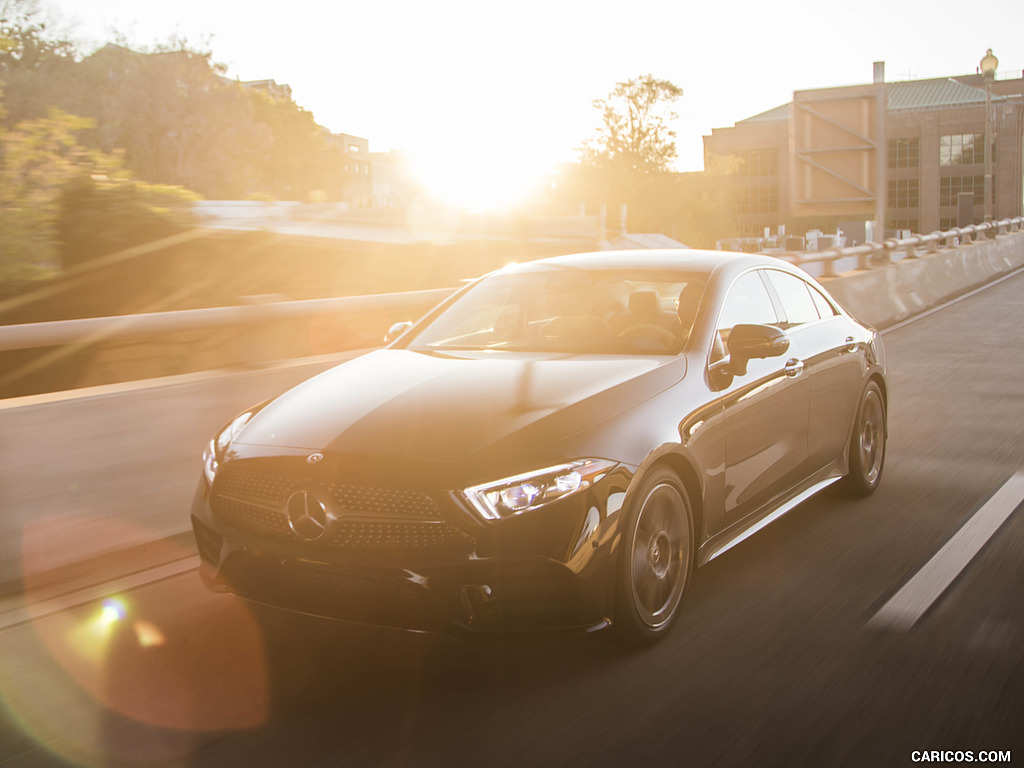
(867, 445)
(656, 560)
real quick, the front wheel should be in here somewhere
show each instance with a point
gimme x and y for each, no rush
(867, 446)
(656, 559)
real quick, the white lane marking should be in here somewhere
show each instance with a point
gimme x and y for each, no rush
(35, 611)
(917, 595)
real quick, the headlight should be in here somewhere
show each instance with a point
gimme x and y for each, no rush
(210, 462)
(522, 493)
(217, 447)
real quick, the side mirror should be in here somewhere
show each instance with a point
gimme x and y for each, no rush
(397, 330)
(747, 342)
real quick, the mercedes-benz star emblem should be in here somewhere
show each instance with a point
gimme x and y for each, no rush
(309, 516)
(314, 458)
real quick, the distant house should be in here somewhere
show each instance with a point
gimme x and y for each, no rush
(393, 186)
(272, 88)
(358, 168)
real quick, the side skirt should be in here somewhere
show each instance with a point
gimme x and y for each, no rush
(715, 546)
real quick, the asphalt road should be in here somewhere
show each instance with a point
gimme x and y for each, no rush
(85, 475)
(773, 662)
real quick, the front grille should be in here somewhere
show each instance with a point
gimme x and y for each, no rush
(252, 518)
(270, 488)
(367, 535)
(384, 501)
(369, 518)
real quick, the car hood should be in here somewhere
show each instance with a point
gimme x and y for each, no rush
(414, 405)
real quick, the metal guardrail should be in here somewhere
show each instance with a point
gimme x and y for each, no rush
(880, 254)
(87, 330)
(61, 332)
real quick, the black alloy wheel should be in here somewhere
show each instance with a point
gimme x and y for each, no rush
(867, 445)
(656, 559)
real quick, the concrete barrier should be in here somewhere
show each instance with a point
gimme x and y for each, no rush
(884, 296)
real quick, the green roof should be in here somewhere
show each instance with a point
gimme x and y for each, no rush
(904, 95)
(771, 116)
(931, 94)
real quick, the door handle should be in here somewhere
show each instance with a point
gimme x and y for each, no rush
(793, 367)
(851, 344)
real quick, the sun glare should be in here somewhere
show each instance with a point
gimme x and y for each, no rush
(473, 184)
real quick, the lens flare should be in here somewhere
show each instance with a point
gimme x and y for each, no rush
(148, 634)
(113, 611)
(133, 678)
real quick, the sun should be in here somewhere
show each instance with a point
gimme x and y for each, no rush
(472, 186)
(473, 183)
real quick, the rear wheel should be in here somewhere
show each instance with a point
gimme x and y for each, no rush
(867, 446)
(656, 560)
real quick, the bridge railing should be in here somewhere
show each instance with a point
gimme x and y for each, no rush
(871, 255)
(414, 303)
(92, 329)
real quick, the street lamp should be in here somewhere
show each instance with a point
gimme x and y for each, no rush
(988, 73)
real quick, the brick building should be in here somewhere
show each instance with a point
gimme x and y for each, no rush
(934, 132)
(357, 169)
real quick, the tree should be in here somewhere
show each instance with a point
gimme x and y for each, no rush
(35, 67)
(24, 40)
(635, 134)
(169, 112)
(100, 215)
(626, 162)
(699, 208)
(37, 158)
(694, 208)
(166, 111)
(180, 122)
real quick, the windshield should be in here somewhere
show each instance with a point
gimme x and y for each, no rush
(570, 310)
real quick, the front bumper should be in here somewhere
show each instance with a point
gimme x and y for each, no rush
(552, 569)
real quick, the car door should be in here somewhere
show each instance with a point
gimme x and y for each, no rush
(830, 343)
(765, 408)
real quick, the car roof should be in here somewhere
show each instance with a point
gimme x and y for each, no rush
(689, 260)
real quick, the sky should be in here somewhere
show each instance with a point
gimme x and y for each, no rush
(486, 98)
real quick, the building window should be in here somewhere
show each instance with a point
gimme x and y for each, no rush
(948, 223)
(963, 149)
(904, 153)
(759, 162)
(899, 224)
(951, 186)
(758, 200)
(903, 193)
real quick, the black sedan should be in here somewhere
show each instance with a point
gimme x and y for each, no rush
(556, 446)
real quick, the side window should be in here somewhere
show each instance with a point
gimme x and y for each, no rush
(825, 308)
(747, 302)
(795, 295)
